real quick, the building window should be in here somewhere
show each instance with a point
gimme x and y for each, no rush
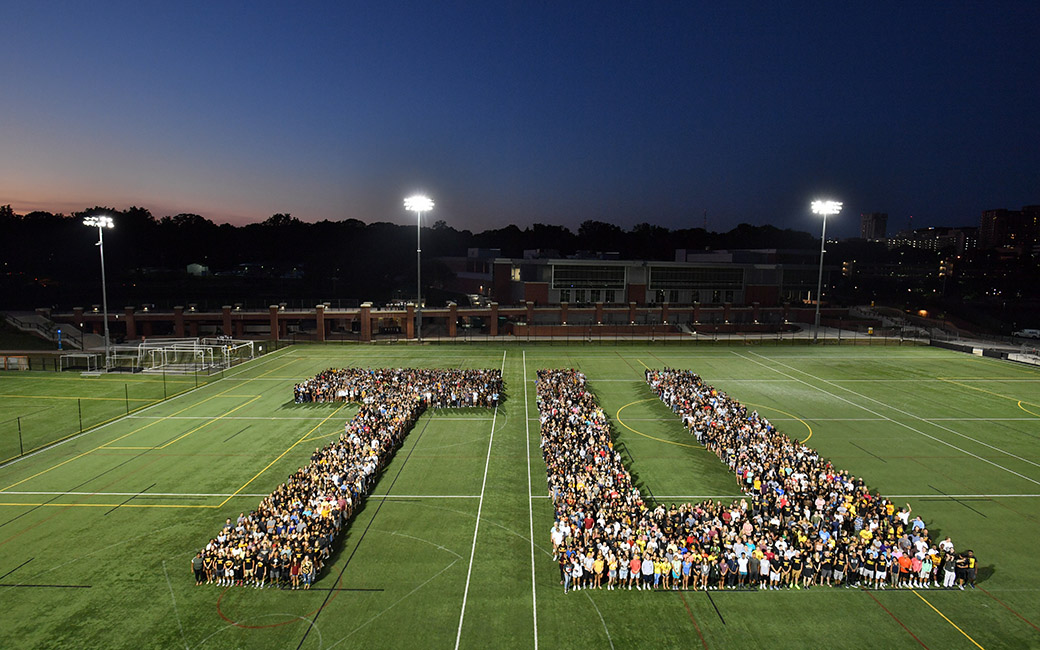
(514, 274)
(579, 295)
(729, 296)
(565, 295)
(594, 295)
(659, 296)
(609, 296)
(673, 295)
(716, 296)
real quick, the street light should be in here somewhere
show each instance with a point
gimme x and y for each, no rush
(825, 208)
(418, 203)
(101, 222)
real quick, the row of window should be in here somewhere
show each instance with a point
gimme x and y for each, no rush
(592, 295)
(582, 296)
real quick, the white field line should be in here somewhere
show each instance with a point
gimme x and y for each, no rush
(174, 599)
(890, 496)
(270, 357)
(916, 417)
(601, 620)
(530, 506)
(240, 494)
(475, 418)
(476, 528)
(901, 424)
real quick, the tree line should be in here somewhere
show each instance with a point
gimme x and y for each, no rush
(49, 258)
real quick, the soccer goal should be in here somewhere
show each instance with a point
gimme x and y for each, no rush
(87, 361)
(181, 356)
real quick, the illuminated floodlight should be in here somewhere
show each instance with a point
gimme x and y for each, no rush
(100, 221)
(826, 208)
(418, 203)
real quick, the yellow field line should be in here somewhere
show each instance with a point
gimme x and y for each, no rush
(107, 505)
(334, 433)
(617, 416)
(95, 426)
(1027, 410)
(208, 422)
(302, 438)
(113, 399)
(790, 415)
(643, 364)
(947, 620)
(983, 390)
(69, 460)
(115, 380)
(128, 447)
(276, 368)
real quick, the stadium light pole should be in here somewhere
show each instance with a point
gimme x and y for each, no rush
(418, 203)
(824, 208)
(101, 222)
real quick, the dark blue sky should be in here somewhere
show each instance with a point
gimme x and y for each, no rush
(524, 112)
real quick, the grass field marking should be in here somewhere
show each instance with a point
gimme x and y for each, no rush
(530, 503)
(988, 392)
(76, 397)
(395, 603)
(648, 368)
(617, 416)
(790, 415)
(240, 494)
(234, 417)
(896, 422)
(947, 620)
(603, 620)
(290, 448)
(89, 451)
(932, 422)
(895, 618)
(176, 613)
(1026, 620)
(287, 363)
(480, 508)
(103, 424)
(106, 505)
(1027, 410)
(209, 422)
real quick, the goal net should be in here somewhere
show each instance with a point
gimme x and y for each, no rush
(80, 361)
(182, 356)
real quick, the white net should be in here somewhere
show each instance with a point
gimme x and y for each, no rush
(182, 356)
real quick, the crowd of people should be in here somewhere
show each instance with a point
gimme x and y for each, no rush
(286, 541)
(802, 524)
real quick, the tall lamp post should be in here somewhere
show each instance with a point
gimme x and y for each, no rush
(418, 204)
(102, 222)
(824, 208)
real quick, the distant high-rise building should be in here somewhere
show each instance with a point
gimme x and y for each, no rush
(873, 226)
(937, 239)
(1010, 228)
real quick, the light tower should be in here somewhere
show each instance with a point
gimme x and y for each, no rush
(101, 222)
(823, 208)
(418, 203)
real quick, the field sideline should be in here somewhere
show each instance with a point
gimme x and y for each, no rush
(452, 549)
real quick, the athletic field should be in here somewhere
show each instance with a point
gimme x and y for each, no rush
(97, 533)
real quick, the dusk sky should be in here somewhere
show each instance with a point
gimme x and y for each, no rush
(524, 112)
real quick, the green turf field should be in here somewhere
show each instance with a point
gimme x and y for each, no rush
(97, 533)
